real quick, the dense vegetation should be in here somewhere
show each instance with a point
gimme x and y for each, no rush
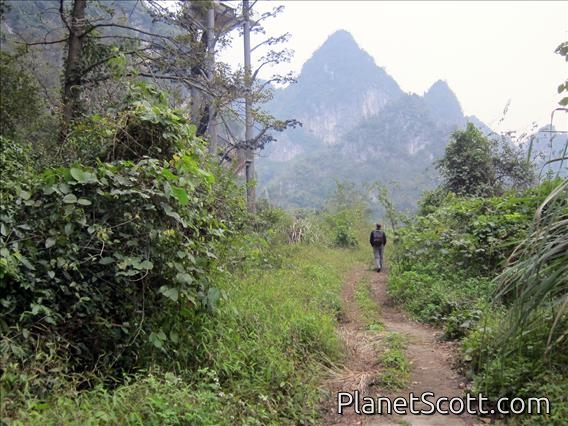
(491, 268)
(136, 287)
(136, 279)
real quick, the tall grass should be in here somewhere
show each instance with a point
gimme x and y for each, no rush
(536, 280)
(522, 345)
(259, 359)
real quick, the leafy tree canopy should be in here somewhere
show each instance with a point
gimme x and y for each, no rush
(473, 165)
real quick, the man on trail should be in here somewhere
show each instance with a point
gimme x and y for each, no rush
(378, 240)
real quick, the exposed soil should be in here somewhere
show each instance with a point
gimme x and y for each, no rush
(430, 359)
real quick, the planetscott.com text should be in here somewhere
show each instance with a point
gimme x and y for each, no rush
(430, 405)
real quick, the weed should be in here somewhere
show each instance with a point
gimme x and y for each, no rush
(370, 311)
(396, 368)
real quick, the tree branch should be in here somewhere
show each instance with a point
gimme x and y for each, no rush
(125, 27)
(27, 44)
(62, 15)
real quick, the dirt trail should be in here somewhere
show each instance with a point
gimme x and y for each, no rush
(430, 361)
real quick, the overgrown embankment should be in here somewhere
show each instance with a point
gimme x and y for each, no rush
(259, 357)
(492, 271)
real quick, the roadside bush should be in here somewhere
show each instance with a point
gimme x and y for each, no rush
(106, 268)
(100, 251)
(443, 263)
(259, 358)
(530, 344)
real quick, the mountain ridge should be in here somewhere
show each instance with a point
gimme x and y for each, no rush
(355, 116)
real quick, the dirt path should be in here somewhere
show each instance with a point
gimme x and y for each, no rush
(430, 362)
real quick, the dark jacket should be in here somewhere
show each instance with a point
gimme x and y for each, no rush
(384, 237)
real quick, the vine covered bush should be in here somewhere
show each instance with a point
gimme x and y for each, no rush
(107, 267)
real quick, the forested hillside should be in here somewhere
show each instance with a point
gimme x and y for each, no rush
(149, 276)
(356, 118)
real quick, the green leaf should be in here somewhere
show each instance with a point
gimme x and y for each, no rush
(168, 174)
(106, 261)
(26, 263)
(156, 340)
(171, 293)
(184, 278)
(84, 202)
(50, 242)
(64, 188)
(25, 195)
(213, 296)
(77, 174)
(181, 195)
(145, 265)
(209, 177)
(82, 176)
(70, 199)
(171, 213)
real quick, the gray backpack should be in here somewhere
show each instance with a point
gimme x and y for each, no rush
(378, 238)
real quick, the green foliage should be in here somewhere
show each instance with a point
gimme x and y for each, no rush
(101, 251)
(467, 166)
(475, 166)
(151, 399)
(562, 50)
(395, 372)
(536, 280)
(443, 262)
(370, 312)
(280, 322)
(284, 227)
(531, 341)
(107, 267)
(258, 358)
(346, 211)
(20, 103)
(142, 125)
(459, 264)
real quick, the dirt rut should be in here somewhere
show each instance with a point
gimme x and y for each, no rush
(430, 362)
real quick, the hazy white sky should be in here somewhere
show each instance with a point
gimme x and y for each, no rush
(489, 52)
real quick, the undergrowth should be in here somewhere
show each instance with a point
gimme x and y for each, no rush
(369, 309)
(395, 373)
(492, 272)
(260, 356)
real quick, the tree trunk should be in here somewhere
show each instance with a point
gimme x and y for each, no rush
(250, 170)
(72, 72)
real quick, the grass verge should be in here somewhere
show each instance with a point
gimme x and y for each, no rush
(396, 368)
(370, 311)
(258, 358)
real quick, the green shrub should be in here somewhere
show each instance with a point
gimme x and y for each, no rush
(107, 267)
(101, 251)
(460, 264)
(444, 262)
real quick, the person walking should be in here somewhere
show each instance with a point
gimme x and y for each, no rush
(378, 240)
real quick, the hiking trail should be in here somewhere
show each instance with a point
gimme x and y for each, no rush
(430, 360)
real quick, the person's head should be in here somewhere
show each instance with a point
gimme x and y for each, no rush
(378, 226)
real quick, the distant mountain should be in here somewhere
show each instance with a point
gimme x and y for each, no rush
(338, 87)
(443, 105)
(358, 126)
(484, 128)
(548, 147)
